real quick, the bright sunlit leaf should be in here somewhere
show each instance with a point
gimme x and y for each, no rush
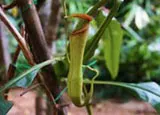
(141, 18)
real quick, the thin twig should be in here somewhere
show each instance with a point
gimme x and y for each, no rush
(12, 67)
(36, 86)
(23, 46)
(59, 106)
(11, 70)
(30, 88)
(17, 35)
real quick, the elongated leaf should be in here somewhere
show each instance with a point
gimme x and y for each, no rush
(34, 69)
(27, 80)
(112, 39)
(22, 66)
(149, 91)
(5, 106)
(93, 43)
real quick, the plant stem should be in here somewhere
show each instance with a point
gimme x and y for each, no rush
(120, 84)
(106, 83)
(92, 44)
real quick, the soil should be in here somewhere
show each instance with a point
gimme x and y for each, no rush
(25, 105)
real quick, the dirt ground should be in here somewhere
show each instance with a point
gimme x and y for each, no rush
(25, 105)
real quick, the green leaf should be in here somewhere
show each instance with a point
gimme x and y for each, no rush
(22, 66)
(112, 40)
(5, 106)
(101, 17)
(93, 43)
(149, 91)
(27, 80)
(34, 69)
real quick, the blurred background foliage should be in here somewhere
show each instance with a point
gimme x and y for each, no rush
(140, 56)
(140, 52)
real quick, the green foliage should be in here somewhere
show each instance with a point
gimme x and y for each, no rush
(26, 81)
(93, 43)
(22, 66)
(112, 40)
(149, 92)
(80, 6)
(17, 81)
(4, 106)
(139, 56)
(111, 43)
(140, 46)
(29, 73)
(143, 91)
